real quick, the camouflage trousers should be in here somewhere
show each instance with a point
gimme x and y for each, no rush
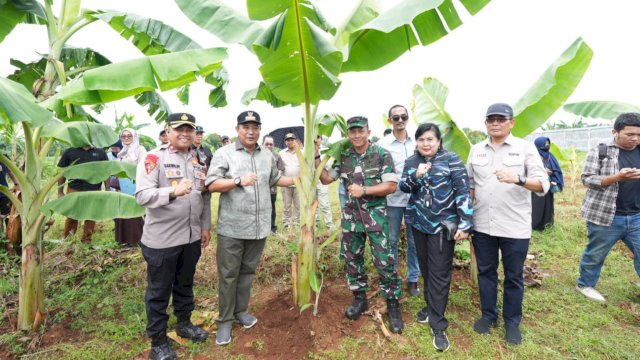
(352, 251)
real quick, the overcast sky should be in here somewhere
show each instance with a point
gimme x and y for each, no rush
(494, 56)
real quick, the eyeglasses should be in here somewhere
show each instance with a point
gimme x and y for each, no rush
(126, 136)
(404, 117)
(499, 120)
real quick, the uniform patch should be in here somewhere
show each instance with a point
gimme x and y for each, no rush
(194, 161)
(174, 183)
(150, 162)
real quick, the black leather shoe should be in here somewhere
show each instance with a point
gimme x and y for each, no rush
(162, 352)
(358, 306)
(189, 331)
(395, 316)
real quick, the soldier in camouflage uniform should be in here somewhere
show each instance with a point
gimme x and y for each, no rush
(366, 171)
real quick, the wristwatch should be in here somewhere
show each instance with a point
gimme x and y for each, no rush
(238, 181)
(521, 180)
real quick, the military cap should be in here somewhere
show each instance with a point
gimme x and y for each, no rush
(357, 121)
(178, 119)
(199, 129)
(249, 116)
(290, 136)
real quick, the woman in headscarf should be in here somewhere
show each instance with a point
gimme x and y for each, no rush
(542, 207)
(129, 231)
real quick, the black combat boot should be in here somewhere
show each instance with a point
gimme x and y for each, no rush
(395, 317)
(359, 305)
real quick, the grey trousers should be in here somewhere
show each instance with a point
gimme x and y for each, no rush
(237, 260)
(291, 201)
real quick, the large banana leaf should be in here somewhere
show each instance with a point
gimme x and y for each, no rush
(219, 79)
(73, 59)
(365, 11)
(80, 133)
(429, 100)
(600, 109)
(14, 12)
(262, 92)
(263, 10)
(17, 104)
(222, 21)
(95, 205)
(120, 80)
(300, 64)
(98, 171)
(409, 23)
(156, 105)
(327, 122)
(150, 36)
(552, 89)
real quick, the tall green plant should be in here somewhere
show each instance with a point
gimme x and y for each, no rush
(86, 78)
(302, 57)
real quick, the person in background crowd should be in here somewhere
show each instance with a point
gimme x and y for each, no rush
(291, 215)
(242, 173)
(324, 206)
(400, 145)
(439, 213)
(365, 216)
(503, 170)
(76, 156)
(611, 206)
(269, 143)
(5, 203)
(170, 185)
(128, 232)
(204, 153)
(225, 140)
(163, 137)
(542, 207)
(114, 183)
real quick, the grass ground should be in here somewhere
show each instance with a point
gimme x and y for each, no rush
(96, 307)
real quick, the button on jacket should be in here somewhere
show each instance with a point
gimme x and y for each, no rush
(504, 209)
(172, 222)
(244, 212)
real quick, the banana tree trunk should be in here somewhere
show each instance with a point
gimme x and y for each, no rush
(31, 311)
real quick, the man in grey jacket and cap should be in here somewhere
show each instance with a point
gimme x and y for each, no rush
(242, 173)
(170, 185)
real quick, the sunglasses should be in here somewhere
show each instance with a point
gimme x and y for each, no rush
(404, 117)
(499, 120)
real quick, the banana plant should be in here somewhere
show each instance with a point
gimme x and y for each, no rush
(83, 77)
(532, 110)
(301, 58)
(608, 110)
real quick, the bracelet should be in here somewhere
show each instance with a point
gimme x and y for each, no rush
(364, 191)
(317, 157)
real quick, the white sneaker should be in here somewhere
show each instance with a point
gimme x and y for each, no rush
(591, 293)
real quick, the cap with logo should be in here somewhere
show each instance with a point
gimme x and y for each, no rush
(357, 121)
(178, 119)
(249, 116)
(500, 109)
(290, 136)
(199, 129)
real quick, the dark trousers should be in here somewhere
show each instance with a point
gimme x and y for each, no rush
(273, 211)
(514, 252)
(169, 272)
(435, 266)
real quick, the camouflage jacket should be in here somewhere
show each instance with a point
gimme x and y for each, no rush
(371, 168)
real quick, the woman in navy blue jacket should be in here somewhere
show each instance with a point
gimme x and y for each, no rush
(439, 212)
